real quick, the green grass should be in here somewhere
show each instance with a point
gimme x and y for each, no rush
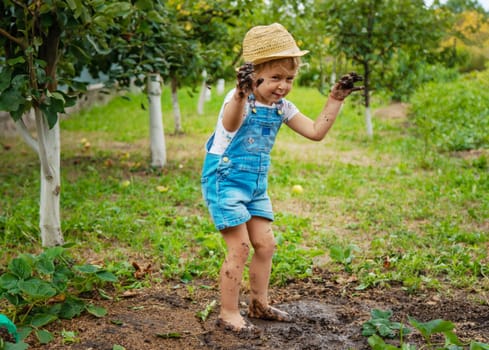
(415, 219)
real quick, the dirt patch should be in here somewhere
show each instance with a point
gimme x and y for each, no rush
(327, 315)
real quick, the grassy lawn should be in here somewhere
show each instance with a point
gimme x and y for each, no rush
(385, 210)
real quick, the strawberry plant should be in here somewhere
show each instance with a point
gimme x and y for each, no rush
(39, 289)
(380, 327)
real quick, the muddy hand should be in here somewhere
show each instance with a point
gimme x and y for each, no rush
(346, 86)
(245, 79)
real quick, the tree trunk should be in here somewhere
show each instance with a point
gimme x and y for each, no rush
(220, 86)
(157, 135)
(49, 156)
(176, 106)
(368, 114)
(203, 94)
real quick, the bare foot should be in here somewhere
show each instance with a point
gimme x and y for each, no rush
(246, 330)
(266, 312)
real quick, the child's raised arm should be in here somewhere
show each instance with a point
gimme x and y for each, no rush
(234, 109)
(317, 130)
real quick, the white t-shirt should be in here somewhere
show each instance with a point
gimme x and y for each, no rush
(222, 137)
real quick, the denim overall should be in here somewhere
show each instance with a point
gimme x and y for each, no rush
(234, 184)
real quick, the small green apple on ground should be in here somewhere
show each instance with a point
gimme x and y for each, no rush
(297, 189)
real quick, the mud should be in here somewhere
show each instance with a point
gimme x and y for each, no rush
(326, 315)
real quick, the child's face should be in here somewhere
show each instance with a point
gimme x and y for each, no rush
(277, 82)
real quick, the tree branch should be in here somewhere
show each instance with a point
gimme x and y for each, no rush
(18, 41)
(26, 135)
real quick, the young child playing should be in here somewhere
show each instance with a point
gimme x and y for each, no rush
(235, 169)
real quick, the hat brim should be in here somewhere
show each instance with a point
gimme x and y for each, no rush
(279, 55)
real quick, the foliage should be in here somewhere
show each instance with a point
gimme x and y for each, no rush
(379, 327)
(203, 315)
(176, 39)
(370, 32)
(465, 46)
(453, 124)
(32, 46)
(39, 289)
(344, 256)
(406, 73)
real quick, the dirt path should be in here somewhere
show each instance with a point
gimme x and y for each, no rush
(327, 316)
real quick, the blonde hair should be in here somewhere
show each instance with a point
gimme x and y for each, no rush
(289, 63)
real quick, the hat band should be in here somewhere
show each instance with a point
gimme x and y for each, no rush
(293, 52)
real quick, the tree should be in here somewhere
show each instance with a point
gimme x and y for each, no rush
(206, 32)
(371, 32)
(43, 43)
(459, 6)
(466, 44)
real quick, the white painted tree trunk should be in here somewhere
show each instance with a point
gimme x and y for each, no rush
(49, 156)
(220, 86)
(24, 131)
(203, 94)
(368, 122)
(177, 116)
(176, 112)
(157, 135)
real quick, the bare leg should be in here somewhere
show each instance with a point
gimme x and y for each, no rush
(263, 241)
(231, 274)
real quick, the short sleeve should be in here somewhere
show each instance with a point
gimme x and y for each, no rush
(290, 110)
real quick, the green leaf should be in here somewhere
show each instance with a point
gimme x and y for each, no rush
(45, 265)
(479, 346)
(58, 96)
(118, 347)
(118, 9)
(44, 336)
(14, 299)
(40, 320)
(429, 328)
(17, 346)
(451, 339)
(20, 267)
(377, 343)
(5, 76)
(71, 308)
(54, 252)
(51, 108)
(144, 5)
(15, 60)
(337, 253)
(376, 313)
(87, 268)
(36, 288)
(24, 332)
(204, 314)
(97, 311)
(8, 281)
(71, 4)
(106, 276)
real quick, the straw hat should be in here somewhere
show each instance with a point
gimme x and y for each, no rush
(266, 43)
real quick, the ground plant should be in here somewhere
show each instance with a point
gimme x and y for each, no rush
(380, 327)
(373, 215)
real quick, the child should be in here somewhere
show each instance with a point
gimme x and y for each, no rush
(234, 174)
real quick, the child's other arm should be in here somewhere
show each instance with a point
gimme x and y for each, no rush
(317, 130)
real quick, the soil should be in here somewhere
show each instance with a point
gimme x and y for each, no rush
(328, 314)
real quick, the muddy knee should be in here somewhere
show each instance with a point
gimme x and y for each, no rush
(265, 246)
